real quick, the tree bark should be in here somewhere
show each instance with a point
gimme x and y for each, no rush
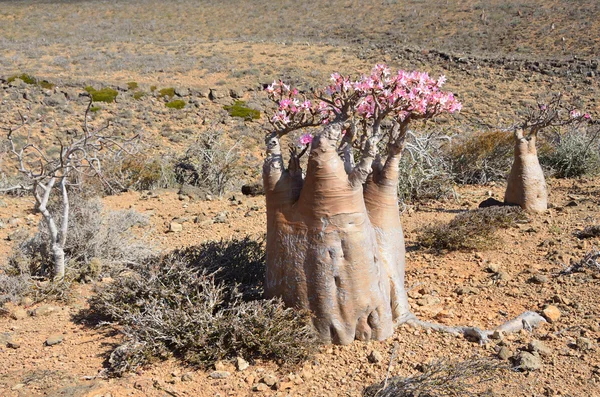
(326, 251)
(526, 185)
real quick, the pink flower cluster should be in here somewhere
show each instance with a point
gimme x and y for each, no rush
(401, 95)
(575, 114)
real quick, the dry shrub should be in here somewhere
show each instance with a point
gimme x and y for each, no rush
(481, 157)
(442, 379)
(572, 153)
(424, 172)
(209, 163)
(98, 243)
(590, 261)
(189, 304)
(471, 230)
(589, 232)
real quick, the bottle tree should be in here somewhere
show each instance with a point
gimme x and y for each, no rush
(335, 243)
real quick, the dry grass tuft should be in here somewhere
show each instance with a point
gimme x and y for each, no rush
(442, 379)
(471, 230)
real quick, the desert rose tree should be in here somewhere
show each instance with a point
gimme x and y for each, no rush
(526, 186)
(335, 244)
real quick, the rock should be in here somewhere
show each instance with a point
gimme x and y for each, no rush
(175, 227)
(187, 377)
(18, 314)
(54, 339)
(13, 344)
(18, 386)
(260, 387)
(584, 344)
(499, 335)
(493, 268)
(375, 357)
(219, 374)
(221, 217)
(504, 353)
(236, 93)
(252, 189)
(540, 347)
(270, 380)
(241, 364)
(551, 313)
(428, 300)
(306, 374)
(202, 92)
(54, 100)
(217, 93)
(528, 362)
(144, 385)
(538, 279)
(43, 310)
(503, 275)
(193, 192)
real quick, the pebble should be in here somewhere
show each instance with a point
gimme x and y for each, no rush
(54, 339)
(584, 343)
(504, 353)
(528, 362)
(219, 374)
(269, 380)
(175, 227)
(43, 310)
(18, 314)
(551, 313)
(540, 347)
(375, 357)
(241, 364)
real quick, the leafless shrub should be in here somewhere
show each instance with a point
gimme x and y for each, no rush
(471, 230)
(189, 306)
(13, 288)
(209, 162)
(442, 378)
(591, 261)
(424, 172)
(99, 243)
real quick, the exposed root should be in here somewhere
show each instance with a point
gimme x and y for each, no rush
(526, 321)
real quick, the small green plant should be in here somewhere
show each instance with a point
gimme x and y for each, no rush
(240, 109)
(105, 94)
(132, 85)
(95, 109)
(153, 88)
(139, 95)
(28, 79)
(175, 104)
(471, 230)
(167, 92)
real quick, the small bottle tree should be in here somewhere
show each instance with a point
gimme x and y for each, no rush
(526, 186)
(335, 244)
(49, 174)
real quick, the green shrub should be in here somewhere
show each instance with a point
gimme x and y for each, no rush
(175, 104)
(138, 95)
(105, 94)
(167, 92)
(187, 304)
(28, 79)
(239, 109)
(153, 88)
(132, 85)
(471, 230)
(95, 109)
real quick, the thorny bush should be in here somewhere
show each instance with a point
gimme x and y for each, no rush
(189, 304)
(572, 153)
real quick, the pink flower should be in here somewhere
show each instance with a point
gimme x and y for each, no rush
(305, 139)
(575, 113)
(587, 116)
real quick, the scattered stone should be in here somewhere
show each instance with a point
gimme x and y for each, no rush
(221, 217)
(528, 362)
(260, 387)
(539, 279)
(269, 380)
(493, 268)
(18, 386)
(236, 93)
(551, 313)
(144, 385)
(187, 377)
(219, 374)
(503, 275)
(54, 339)
(18, 314)
(375, 357)
(306, 374)
(26, 301)
(253, 189)
(13, 344)
(217, 93)
(175, 227)
(43, 310)
(54, 100)
(504, 353)
(540, 347)
(584, 344)
(241, 364)
(499, 335)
